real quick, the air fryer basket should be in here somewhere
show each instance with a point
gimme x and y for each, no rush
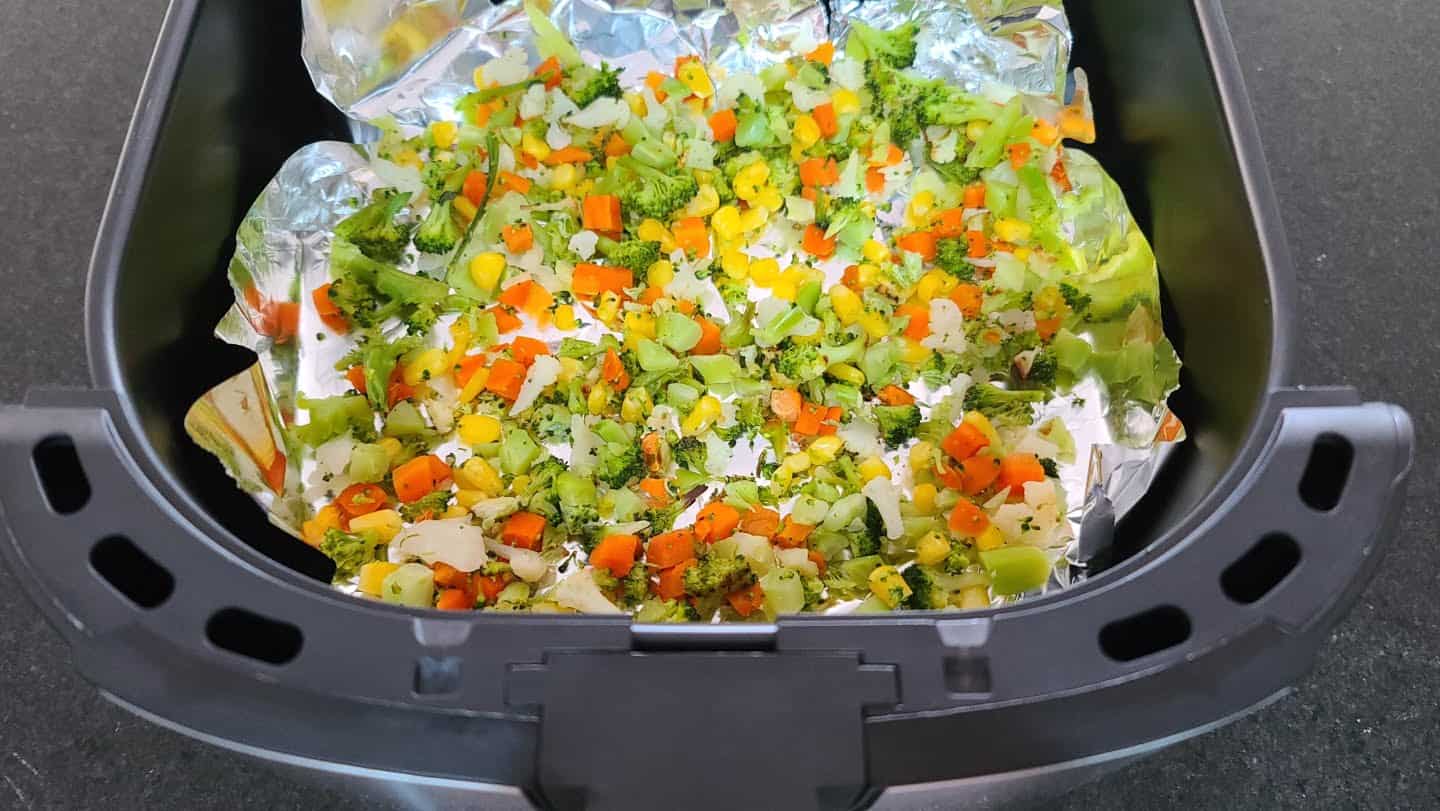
(184, 605)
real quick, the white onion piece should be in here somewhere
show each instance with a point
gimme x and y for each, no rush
(453, 541)
(544, 371)
(799, 560)
(578, 591)
(525, 563)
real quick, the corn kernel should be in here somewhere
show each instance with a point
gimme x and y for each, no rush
(798, 462)
(751, 179)
(735, 264)
(824, 450)
(975, 130)
(373, 574)
(655, 231)
(784, 289)
(989, 539)
(914, 353)
(486, 269)
(479, 429)
(693, 76)
(409, 157)
(920, 454)
(725, 222)
(845, 101)
(643, 324)
(609, 307)
(846, 373)
(921, 203)
(475, 386)
(924, 498)
(769, 198)
(764, 272)
(867, 274)
(1023, 254)
(478, 76)
(982, 424)
(386, 524)
(598, 398)
(1012, 230)
(888, 586)
(520, 483)
(805, 132)
(705, 203)
(637, 404)
(465, 208)
(477, 474)
(637, 104)
(313, 530)
(874, 468)
(702, 416)
(874, 325)
(874, 251)
(932, 549)
(534, 146)
(454, 511)
(565, 318)
(443, 133)
(847, 304)
(468, 498)
(756, 216)
(426, 365)
(975, 597)
(565, 176)
(661, 273)
(393, 449)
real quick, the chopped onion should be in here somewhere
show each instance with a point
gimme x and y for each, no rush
(556, 137)
(756, 549)
(532, 104)
(947, 327)
(848, 73)
(805, 98)
(717, 454)
(583, 446)
(799, 560)
(510, 68)
(578, 591)
(526, 564)
(493, 509)
(544, 371)
(602, 112)
(453, 541)
(583, 243)
(861, 437)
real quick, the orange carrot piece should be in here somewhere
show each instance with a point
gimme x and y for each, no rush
(948, 223)
(977, 474)
(819, 172)
(1016, 470)
(692, 235)
(449, 577)
(874, 180)
(506, 378)
(1019, 154)
(568, 154)
(825, 117)
(361, 499)
(515, 295)
(655, 492)
(709, 343)
(1047, 327)
(748, 600)
(601, 212)
(793, 535)
(824, 53)
(723, 124)
(964, 442)
(505, 321)
(616, 146)
(716, 522)
(761, 521)
(454, 600)
(589, 281)
(969, 298)
(671, 548)
(653, 80)
(518, 238)
(975, 195)
(671, 583)
(523, 530)
(786, 403)
(474, 188)
(550, 72)
(919, 242)
(329, 313)
(819, 560)
(413, 480)
(1061, 177)
(490, 585)
(978, 244)
(356, 376)
(616, 553)
(893, 395)
(816, 243)
(525, 350)
(968, 520)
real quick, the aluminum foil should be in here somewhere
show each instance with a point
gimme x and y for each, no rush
(408, 61)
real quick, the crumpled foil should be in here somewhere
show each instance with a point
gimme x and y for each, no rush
(409, 61)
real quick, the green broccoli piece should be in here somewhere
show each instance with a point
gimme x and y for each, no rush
(898, 424)
(717, 575)
(439, 233)
(801, 363)
(579, 503)
(636, 585)
(373, 229)
(690, 454)
(442, 177)
(901, 98)
(814, 592)
(723, 189)
(868, 542)
(952, 107)
(836, 213)
(539, 495)
(952, 255)
(333, 416)
(1079, 302)
(635, 254)
(369, 292)
(667, 611)
(434, 504)
(925, 593)
(895, 47)
(349, 552)
(620, 463)
(1043, 370)
(652, 193)
(1012, 408)
(957, 172)
(958, 560)
(586, 84)
(1051, 468)
(784, 172)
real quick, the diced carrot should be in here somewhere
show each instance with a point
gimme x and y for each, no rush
(968, 520)
(612, 369)
(568, 154)
(440, 472)
(588, 281)
(454, 600)
(977, 474)
(356, 375)
(964, 442)
(397, 392)
(1061, 177)
(948, 223)
(1047, 327)
(979, 245)
(1045, 132)
(816, 243)
(650, 295)
(490, 585)
(601, 212)
(747, 600)
(709, 343)
(449, 577)
(824, 116)
(819, 172)
(655, 492)
(893, 395)
(537, 302)
(506, 378)
(950, 476)
(509, 181)
(515, 295)
(975, 195)
(505, 321)
(518, 238)
(918, 327)
(525, 350)
(808, 423)
(526, 159)
(686, 307)
(692, 235)
(918, 242)
(652, 453)
(1019, 154)
(874, 180)
(786, 403)
(671, 583)
(761, 521)
(329, 313)
(716, 522)
(681, 60)
(793, 535)
(824, 53)
(810, 194)
(969, 298)
(413, 480)
(616, 553)
(474, 188)
(653, 80)
(550, 71)
(1016, 470)
(523, 530)
(851, 277)
(671, 548)
(616, 146)
(819, 560)
(361, 499)
(722, 125)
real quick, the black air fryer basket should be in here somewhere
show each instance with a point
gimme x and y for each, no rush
(182, 604)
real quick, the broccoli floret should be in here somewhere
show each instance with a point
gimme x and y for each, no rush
(441, 177)
(957, 172)
(801, 363)
(690, 454)
(1013, 408)
(952, 255)
(836, 213)
(868, 542)
(635, 254)
(653, 193)
(898, 424)
(1043, 369)
(619, 463)
(814, 591)
(368, 292)
(373, 229)
(895, 47)
(349, 552)
(901, 98)
(925, 593)
(1051, 468)
(579, 503)
(636, 586)
(539, 495)
(333, 416)
(958, 560)
(434, 504)
(439, 233)
(667, 611)
(952, 107)
(586, 84)
(784, 173)
(1079, 302)
(723, 189)
(717, 575)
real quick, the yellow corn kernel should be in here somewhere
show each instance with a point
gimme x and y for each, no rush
(914, 353)
(479, 429)
(459, 342)
(598, 398)
(693, 75)
(477, 474)
(874, 325)
(443, 133)
(654, 231)
(919, 456)
(637, 404)
(637, 104)
(989, 539)
(805, 132)
(932, 549)
(454, 511)
(569, 371)
(534, 146)
(475, 386)
(641, 323)
(409, 157)
(824, 450)
(784, 289)
(313, 530)
(725, 222)
(756, 216)
(982, 423)
(924, 498)
(975, 130)
(478, 76)
(888, 586)
(468, 498)
(702, 416)
(386, 524)
(874, 251)
(867, 274)
(847, 304)
(798, 462)
(565, 176)
(706, 202)
(1023, 254)
(769, 198)
(782, 478)
(697, 106)
(661, 273)
(426, 365)
(1012, 230)
(486, 269)
(751, 179)
(565, 318)
(464, 208)
(609, 307)
(845, 101)
(393, 449)
(520, 483)
(975, 597)
(764, 272)
(735, 264)
(373, 574)
(846, 373)
(874, 468)
(921, 204)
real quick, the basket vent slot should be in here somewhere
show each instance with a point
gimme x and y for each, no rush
(1143, 634)
(62, 478)
(251, 635)
(1255, 573)
(131, 572)
(1326, 473)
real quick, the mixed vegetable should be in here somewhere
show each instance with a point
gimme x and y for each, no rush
(681, 351)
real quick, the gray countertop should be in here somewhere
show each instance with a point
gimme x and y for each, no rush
(1344, 93)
